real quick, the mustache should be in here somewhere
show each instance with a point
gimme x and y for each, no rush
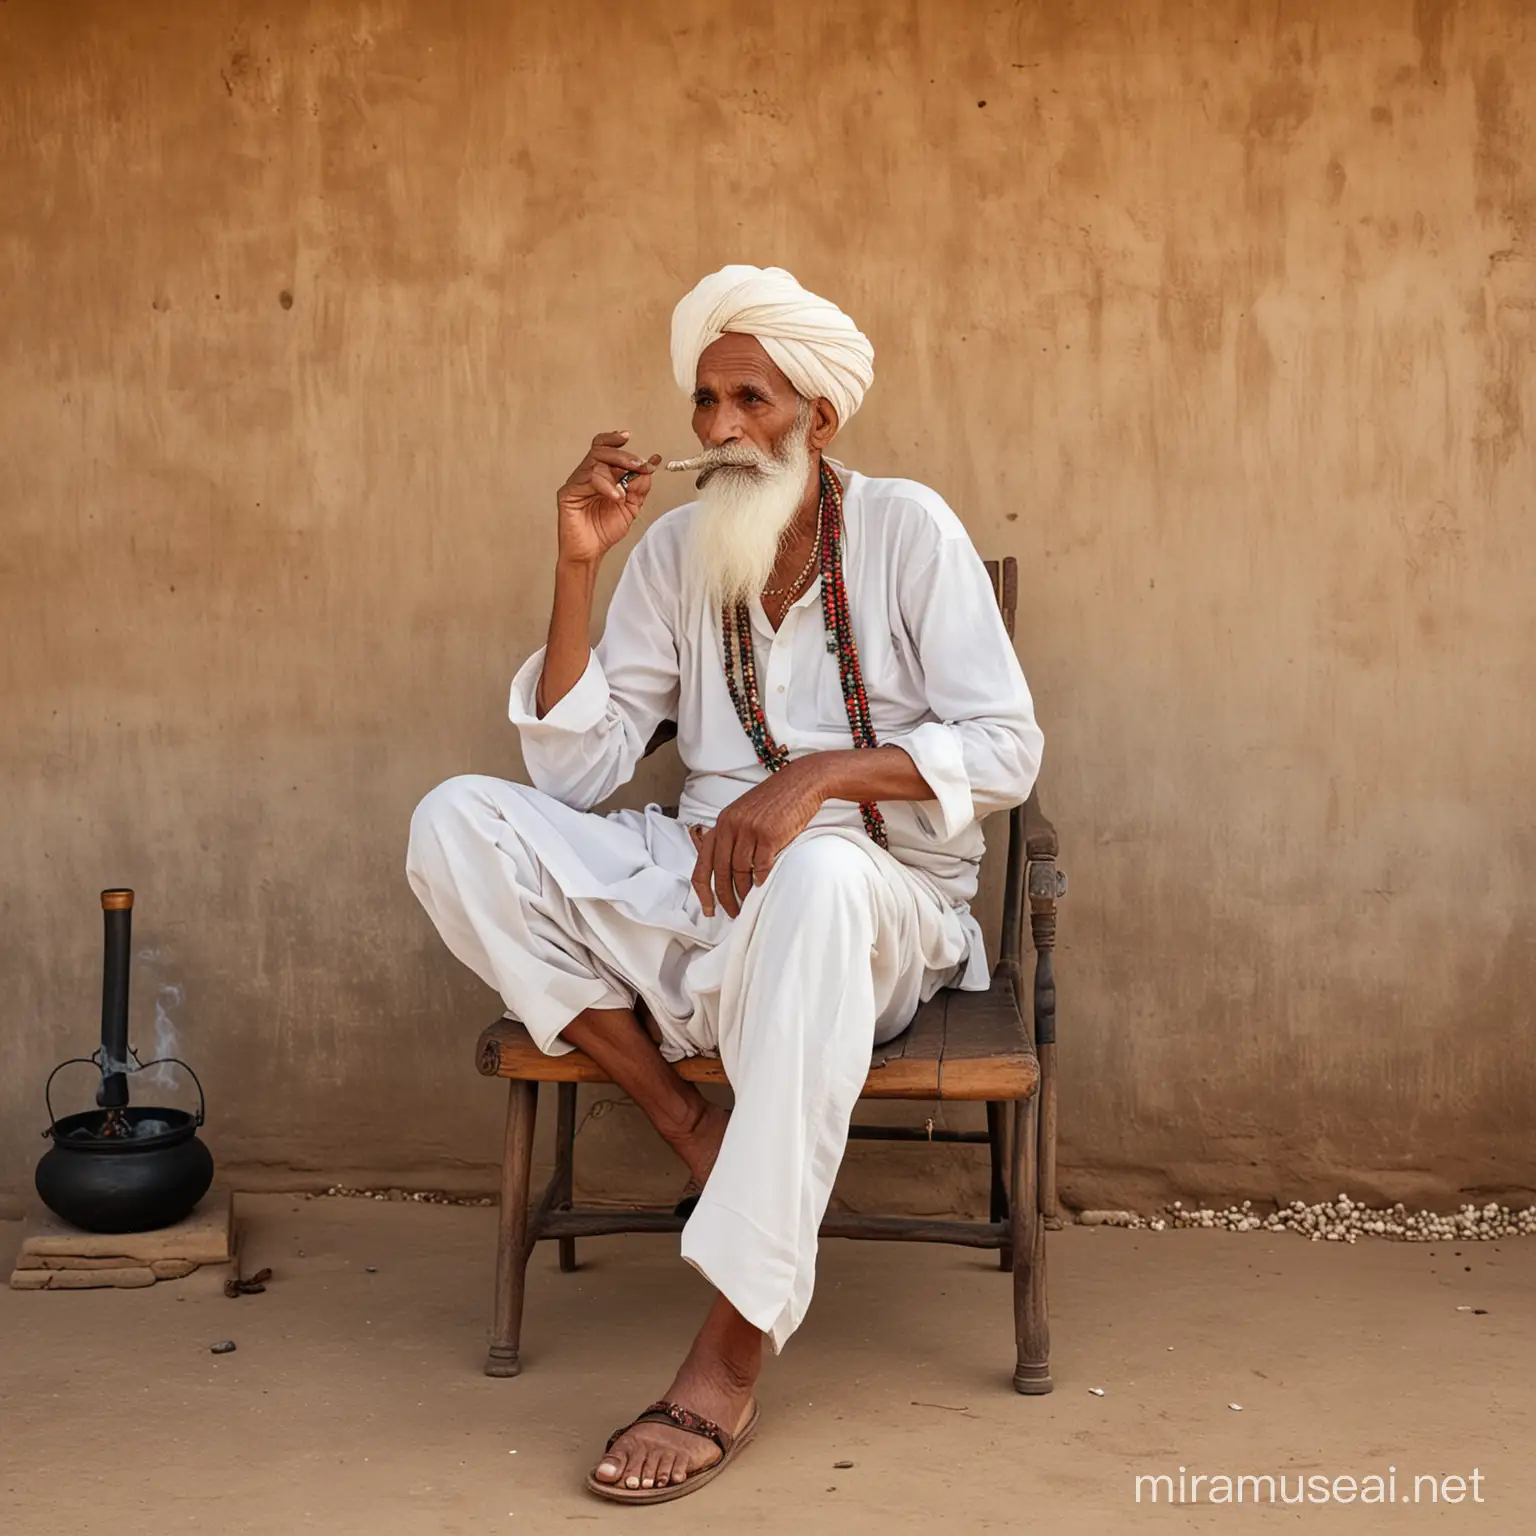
(726, 456)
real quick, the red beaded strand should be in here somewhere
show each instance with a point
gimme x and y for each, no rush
(736, 643)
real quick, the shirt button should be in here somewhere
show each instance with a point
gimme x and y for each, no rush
(781, 688)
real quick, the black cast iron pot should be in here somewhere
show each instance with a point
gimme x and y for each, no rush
(125, 1170)
(134, 1181)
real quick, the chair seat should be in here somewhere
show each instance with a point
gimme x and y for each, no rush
(961, 1045)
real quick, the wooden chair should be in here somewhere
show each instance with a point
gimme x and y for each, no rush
(960, 1046)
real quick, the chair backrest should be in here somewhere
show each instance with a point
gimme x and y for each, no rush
(1005, 588)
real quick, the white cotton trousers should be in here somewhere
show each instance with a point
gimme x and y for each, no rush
(562, 910)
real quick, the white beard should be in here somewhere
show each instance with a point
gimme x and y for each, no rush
(744, 513)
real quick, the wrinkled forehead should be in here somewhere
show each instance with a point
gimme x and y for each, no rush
(735, 362)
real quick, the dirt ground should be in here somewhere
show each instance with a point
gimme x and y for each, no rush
(355, 1402)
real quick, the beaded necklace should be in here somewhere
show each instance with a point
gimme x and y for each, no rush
(812, 560)
(741, 663)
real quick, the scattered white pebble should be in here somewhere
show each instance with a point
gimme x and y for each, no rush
(1235, 1407)
(1341, 1220)
(1097, 1391)
(421, 1196)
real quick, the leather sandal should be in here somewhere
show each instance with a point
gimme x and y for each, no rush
(695, 1424)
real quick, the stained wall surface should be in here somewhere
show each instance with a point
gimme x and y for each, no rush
(1218, 315)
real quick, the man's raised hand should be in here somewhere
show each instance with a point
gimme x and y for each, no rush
(596, 504)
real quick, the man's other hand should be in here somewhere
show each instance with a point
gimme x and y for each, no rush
(738, 851)
(597, 505)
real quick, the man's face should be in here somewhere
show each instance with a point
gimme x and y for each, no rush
(741, 397)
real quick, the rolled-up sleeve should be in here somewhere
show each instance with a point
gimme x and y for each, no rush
(981, 753)
(588, 744)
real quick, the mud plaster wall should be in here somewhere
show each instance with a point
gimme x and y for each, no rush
(1219, 316)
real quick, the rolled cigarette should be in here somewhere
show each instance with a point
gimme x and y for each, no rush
(687, 466)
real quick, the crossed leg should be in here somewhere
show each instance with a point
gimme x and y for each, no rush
(830, 955)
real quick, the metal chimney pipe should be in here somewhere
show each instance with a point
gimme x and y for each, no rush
(117, 920)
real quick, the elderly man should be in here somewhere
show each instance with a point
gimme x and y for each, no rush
(848, 708)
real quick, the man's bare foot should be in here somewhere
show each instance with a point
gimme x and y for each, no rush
(715, 1382)
(700, 1146)
(617, 1041)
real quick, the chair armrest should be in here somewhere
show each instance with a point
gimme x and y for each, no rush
(1031, 882)
(1040, 840)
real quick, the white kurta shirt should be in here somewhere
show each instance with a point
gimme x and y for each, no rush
(939, 670)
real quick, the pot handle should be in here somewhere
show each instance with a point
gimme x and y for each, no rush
(176, 1061)
(137, 1066)
(74, 1061)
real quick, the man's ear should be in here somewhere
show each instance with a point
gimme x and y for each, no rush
(823, 423)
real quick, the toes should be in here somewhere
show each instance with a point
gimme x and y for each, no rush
(648, 1468)
(633, 1463)
(638, 1462)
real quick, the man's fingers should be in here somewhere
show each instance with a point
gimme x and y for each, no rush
(604, 481)
(743, 862)
(725, 891)
(617, 457)
(641, 478)
(610, 439)
(762, 864)
(603, 470)
(702, 869)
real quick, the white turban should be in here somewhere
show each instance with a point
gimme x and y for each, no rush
(815, 345)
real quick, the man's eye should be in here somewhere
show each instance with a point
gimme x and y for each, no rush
(703, 400)
(752, 397)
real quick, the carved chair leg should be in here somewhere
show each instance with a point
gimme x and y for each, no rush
(512, 1231)
(997, 1138)
(1050, 1205)
(565, 1166)
(1042, 922)
(1032, 1334)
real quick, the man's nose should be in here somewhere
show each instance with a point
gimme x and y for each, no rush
(723, 426)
